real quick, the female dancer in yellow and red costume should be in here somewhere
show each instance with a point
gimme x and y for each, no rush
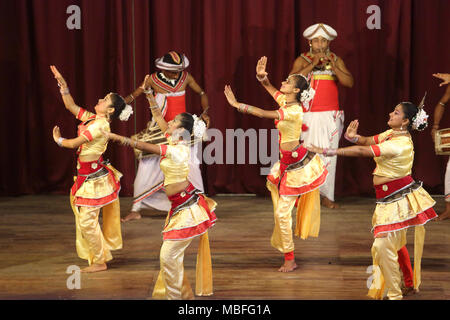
(298, 173)
(169, 84)
(97, 183)
(401, 201)
(191, 213)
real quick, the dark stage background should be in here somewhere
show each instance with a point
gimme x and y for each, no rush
(119, 40)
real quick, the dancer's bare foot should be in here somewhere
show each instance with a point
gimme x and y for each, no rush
(407, 291)
(288, 266)
(329, 204)
(133, 215)
(95, 268)
(443, 216)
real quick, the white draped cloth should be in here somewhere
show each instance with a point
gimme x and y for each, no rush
(324, 131)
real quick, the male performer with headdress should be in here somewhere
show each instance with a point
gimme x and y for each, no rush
(324, 118)
(168, 85)
(438, 113)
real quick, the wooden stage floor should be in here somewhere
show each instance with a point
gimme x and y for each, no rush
(37, 245)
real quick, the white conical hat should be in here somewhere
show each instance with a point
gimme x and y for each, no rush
(320, 29)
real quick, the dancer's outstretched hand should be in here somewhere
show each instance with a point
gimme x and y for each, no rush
(314, 149)
(230, 97)
(443, 76)
(56, 133)
(261, 68)
(146, 84)
(352, 129)
(118, 138)
(105, 133)
(112, 136)
(61, 82)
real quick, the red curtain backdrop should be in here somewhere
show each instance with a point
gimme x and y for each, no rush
(223, 39)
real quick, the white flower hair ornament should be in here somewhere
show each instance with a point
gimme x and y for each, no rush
(126, 113)
(199, 128)
(420, 120)
(307, 95)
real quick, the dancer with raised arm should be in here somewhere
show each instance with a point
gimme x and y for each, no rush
(169, 84)
(191, 214)
(298, 173)
(401, 201)
(97, 183)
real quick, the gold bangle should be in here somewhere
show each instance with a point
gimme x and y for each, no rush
(202, 93)
(442, 104)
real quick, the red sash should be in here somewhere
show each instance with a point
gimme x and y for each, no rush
(87, 168)
(181, 197)
(177, 201)
(386, 189)
(288, 158)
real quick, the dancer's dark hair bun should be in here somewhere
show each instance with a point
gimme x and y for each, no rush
(118, 103)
